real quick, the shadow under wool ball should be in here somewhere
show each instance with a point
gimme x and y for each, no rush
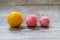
(31, 20)
(15, 19)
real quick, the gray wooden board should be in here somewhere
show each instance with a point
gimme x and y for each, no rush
(22, 2)
(38, 33)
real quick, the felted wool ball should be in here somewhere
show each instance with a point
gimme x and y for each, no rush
(44, 21)
(15, 19)
(31, 20)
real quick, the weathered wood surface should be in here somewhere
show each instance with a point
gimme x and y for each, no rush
(50, 8)
(51, 33)
(22, 2)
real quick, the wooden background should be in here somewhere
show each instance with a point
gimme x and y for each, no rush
(25, 2)
(52, 10)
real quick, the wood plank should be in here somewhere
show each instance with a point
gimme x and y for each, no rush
(52, 33)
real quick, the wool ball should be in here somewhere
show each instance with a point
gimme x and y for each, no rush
(15, 19)
(31, 20)
(44, 21)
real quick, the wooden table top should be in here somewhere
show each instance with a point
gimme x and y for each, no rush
(24, 33)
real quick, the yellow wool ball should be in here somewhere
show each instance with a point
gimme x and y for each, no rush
(15, 19)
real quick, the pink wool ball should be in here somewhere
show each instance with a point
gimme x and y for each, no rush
(44, 21)
(31, 20)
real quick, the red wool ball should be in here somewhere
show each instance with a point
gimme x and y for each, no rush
(31, 20)
(44, 21)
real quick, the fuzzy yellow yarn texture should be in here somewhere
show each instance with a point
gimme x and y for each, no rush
(15, 19)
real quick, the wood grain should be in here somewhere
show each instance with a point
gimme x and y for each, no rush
(25, 2)
(38, 33)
